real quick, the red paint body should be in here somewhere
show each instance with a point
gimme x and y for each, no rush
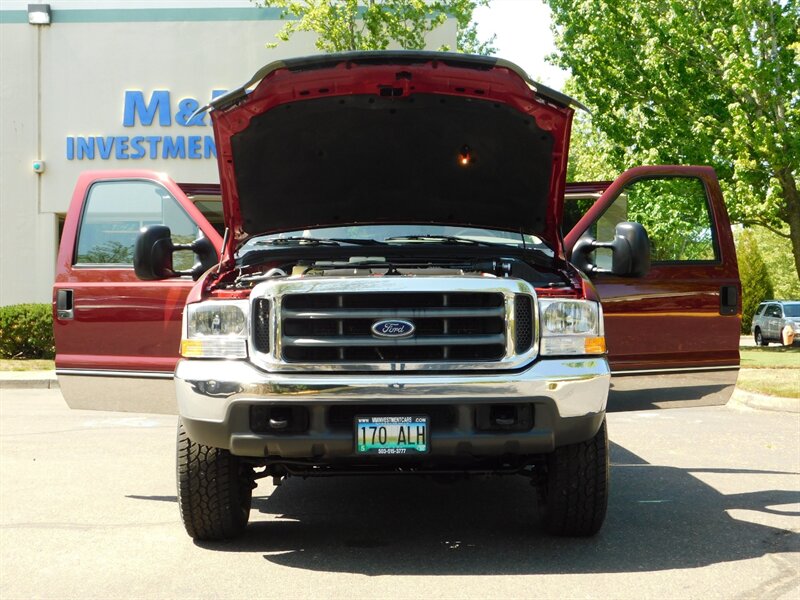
(498, 84)
(668, 318)
(120, 322)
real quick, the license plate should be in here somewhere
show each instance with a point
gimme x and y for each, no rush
(392, 435)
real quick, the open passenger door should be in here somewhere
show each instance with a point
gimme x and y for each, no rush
(673, 333)
(117, 337)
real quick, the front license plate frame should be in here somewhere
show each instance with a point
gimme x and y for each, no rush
(388, 435)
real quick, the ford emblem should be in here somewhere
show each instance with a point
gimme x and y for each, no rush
(393, 329)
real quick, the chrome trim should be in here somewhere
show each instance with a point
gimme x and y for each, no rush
(390, 313)
(357, 341)
(207, 389)
(110, 373)
(117, 391)
(684, 388)
(275, 289)
(675, 370)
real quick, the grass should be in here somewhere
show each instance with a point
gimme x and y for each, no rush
(7, 364)
(770, 370)
(770, 357)
(773, 382)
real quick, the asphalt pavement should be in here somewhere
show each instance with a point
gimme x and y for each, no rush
(705, 503)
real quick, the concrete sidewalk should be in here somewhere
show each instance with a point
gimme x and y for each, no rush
(47, 380)
(28, 380)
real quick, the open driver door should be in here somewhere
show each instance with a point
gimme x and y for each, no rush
(672, 333)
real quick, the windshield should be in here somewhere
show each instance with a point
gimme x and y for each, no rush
(397, 235)
(791, 310)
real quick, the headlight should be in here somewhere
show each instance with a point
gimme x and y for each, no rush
(216, 329)
(571, 327)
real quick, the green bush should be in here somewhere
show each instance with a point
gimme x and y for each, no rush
(26, 331)
(756, 282)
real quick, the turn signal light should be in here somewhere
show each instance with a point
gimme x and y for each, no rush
(214, 348)
(594, 345)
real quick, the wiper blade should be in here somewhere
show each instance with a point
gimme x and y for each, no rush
(298, 240)
(442, 239)
(359, 241)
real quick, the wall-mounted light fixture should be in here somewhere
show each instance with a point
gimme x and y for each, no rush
(39, 14)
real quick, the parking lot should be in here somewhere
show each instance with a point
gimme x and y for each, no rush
(705, 503)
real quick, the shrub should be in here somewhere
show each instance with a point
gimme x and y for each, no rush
(756, 283)
(26, 331)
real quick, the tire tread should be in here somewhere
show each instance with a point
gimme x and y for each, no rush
(576, 497)
(214, 493)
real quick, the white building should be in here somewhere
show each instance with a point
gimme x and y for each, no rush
(110, 85)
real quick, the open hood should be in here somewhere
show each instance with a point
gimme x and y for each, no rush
(392, 137)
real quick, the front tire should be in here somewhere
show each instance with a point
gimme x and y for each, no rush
(575, 487)
(760, 341)
(214, 490)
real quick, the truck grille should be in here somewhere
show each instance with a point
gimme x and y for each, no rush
(330, 328)
(330, 324)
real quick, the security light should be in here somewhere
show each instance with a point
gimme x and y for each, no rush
(39, 14)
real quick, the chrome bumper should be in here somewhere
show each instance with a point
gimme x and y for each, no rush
(215, 395)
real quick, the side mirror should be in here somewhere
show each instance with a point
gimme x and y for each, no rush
(152, 255)
(630, 251)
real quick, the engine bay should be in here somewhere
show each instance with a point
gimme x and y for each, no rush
(247, 276)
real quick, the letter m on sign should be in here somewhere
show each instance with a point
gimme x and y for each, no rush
(135, 106)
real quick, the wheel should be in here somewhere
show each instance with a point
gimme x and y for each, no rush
(574, 490)
(214, 490)
(760, 341)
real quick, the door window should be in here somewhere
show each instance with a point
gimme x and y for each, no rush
(675, 213)
(773, 310)
(115, 212)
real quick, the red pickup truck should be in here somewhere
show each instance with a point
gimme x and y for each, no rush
(394, 277)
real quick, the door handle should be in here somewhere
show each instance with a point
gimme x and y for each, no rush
(728, 300)
(64, 304)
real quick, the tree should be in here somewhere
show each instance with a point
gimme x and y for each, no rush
(591, 155)
(777, 254)
(108, 252)
(756, 284)
(343, 25)
(694, 82)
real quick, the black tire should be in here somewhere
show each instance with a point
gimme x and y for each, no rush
(574, 494)
(214, 490)
(760, 341)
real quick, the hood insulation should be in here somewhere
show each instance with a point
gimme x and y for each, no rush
(383, 159)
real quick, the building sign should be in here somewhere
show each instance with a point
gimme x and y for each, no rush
(138, 110)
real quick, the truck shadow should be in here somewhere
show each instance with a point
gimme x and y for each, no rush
(659, 518)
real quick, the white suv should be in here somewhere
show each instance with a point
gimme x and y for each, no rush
(770, 319)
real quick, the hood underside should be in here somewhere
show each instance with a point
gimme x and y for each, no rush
(392, 138)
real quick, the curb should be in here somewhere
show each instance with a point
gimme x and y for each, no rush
(17, 380)
(764, 402)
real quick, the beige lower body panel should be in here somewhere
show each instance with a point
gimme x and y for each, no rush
(679, 388)
(122, 391)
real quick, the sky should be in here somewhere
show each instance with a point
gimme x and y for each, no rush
(523, 36)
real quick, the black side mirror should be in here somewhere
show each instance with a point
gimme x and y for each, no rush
(630, 251)
(152, 255)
